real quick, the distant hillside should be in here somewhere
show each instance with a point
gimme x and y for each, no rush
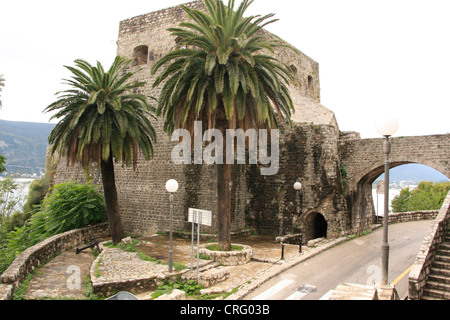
(414, 173)
(24, 145)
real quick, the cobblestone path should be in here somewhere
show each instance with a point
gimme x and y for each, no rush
(62, 277)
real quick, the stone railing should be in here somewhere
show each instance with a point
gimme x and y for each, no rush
(422, 264)
(413, 216)
(32, 257)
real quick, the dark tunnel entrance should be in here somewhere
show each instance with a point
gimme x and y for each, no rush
(316, 226)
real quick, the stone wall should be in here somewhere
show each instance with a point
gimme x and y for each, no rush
(363, 161)
(32, 257)
(364, 158)
(309, 152)
(425, 257)
(412, 216)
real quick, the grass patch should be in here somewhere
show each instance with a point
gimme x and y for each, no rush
(97, 267)
(215, 247)
(131, 247)
(190, 287)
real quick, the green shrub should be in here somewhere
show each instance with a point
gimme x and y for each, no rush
(70, 205)
(191, 287)
(36, 194)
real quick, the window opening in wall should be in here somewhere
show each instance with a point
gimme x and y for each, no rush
(310, 84)
(140, 55)
(294, 69)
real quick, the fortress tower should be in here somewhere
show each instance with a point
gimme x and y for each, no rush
(269, 204)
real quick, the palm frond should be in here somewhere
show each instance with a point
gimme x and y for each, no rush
(95, 115)
(227, 72)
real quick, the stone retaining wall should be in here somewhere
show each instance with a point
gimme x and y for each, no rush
(421, 268)
(32, 257)
(229, 258)
(412, 216)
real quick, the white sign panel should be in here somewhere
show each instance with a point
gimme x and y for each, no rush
(203, 217)
(380, 187)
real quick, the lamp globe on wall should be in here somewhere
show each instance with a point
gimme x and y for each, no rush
(297, 186)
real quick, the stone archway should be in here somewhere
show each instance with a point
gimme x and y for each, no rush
(362, 207)
(363, 160)
(315, 226)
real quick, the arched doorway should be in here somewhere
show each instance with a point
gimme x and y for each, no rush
(315, 226)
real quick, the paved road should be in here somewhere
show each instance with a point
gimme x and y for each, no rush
(355, 261)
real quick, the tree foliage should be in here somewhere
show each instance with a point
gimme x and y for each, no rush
(427, 196)
(103, 120)
(8, 201)
(73, 205)
(223, 68)
(70, 205)
(101, 116)
(2, 164)
(223, 72)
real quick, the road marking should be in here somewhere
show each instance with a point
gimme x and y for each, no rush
(302, 291)
(400, 277)
(297, 295)
(273, 290)
(327, 295)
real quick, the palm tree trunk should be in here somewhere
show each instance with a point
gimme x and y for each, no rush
(112, 203)
(224, 198)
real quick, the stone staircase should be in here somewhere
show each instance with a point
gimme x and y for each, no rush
(438, 283)
(210, 274)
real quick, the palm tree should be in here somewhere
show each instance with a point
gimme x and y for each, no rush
(223, 73)
(101, 120)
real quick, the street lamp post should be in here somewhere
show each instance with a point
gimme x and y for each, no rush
(298, 188)
(172, 187)
(386, 128)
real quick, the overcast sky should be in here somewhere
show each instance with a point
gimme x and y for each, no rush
(376, 57)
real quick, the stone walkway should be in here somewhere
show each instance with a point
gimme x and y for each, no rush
(65, 275)
(62, 277)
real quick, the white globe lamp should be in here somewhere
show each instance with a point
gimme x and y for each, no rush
(387, 127)
(172, 185)
(297, 186)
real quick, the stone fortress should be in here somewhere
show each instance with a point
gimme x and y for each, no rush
(335, 173)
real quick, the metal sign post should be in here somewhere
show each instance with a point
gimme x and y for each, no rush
(200, 217)
(198, 241)
(192, 240)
